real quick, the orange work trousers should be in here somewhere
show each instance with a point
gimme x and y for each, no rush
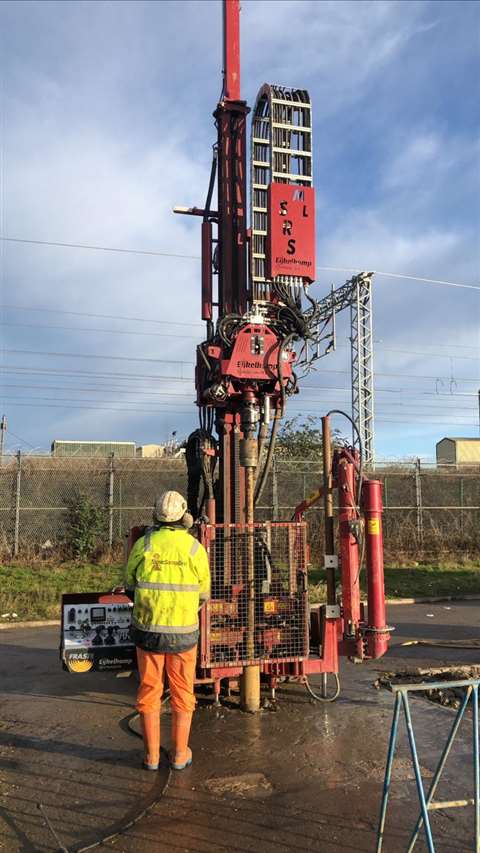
(180, 669)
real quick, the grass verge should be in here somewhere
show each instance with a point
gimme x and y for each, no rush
(421, 581)
(34, 592)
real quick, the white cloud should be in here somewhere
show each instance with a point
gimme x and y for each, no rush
(108, 125)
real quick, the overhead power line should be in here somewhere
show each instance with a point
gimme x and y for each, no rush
(95, 355)
(197, 258)
(178, 323)
(383, 409)
(156, 378)
(382, 406)
(134, 379)
(102, 331)
(124, 377)
(169, 411)
(101, 316)
(179, 361)
(101, 248)
(22, 440)
(404, 276)
(162, 335)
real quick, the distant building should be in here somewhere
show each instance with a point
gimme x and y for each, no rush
(458, 451)
(151, 451)
(98, 449)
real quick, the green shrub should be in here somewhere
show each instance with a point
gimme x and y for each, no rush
(87, 527)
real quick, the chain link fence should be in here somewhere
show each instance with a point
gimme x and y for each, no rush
(428, 509)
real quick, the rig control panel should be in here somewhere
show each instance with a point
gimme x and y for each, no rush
(95, 632)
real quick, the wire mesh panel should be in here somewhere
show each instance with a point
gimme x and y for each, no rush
(426, 508)
(258, 606)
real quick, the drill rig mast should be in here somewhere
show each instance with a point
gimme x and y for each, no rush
(257, 620)
(262, 328)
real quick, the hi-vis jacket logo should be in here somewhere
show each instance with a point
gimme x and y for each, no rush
(291, 231)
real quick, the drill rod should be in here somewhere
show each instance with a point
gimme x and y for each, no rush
(250, 682)
(328, 506)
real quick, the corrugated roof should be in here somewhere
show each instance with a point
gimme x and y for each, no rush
(459, 438)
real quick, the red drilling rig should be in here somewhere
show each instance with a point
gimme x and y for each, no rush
(262, 328)
(257, 622)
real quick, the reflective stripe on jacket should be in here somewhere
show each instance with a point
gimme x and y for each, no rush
(169, 572)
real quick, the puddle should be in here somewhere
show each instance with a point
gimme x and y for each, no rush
(244, 785)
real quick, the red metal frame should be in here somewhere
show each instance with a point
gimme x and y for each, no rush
(231, 49)
(378, 635)
(227, 597)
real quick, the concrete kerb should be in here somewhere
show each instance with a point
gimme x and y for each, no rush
(43, 623)
(437, 599)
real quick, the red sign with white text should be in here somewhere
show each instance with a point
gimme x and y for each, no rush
(291, 231)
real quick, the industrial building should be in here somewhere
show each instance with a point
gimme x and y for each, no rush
(151, 451)
(458, 451)
(97, 449)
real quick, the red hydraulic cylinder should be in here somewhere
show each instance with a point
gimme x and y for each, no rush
(206, 270)
(349, 557)
(377, 633)
(231, 49)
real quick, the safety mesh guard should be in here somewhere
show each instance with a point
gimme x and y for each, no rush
(258, 606)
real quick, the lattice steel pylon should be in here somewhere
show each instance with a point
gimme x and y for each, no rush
(355, 294)
(363, 398)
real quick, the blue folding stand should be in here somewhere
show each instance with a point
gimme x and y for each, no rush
(426, 801)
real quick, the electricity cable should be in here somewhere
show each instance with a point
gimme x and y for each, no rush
(95, 355)
(51, 354)
(198, 325)
(168, 411)
(125, 377)
(100, 331)
(100, 316)
(154, 253)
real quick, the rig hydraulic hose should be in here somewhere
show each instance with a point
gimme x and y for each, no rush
(318, 697)
(360, 447)
(276, 422)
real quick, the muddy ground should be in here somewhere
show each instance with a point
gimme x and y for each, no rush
(305, 777)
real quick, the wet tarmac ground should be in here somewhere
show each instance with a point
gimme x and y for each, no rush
(303, 777)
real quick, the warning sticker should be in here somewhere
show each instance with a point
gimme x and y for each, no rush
(373, 526)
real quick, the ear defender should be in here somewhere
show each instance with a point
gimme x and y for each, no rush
(187, 520)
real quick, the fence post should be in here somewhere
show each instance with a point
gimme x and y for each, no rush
(17, 504)
(110, 501)
(274, 490)
(418, 502)
(462, 520)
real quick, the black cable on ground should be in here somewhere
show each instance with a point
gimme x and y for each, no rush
(61, 847)
(319, 697)
(144, 811)
(118, 832)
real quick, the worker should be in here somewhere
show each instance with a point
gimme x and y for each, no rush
(168, 570)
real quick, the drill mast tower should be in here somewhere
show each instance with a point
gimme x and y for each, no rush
(262, 327)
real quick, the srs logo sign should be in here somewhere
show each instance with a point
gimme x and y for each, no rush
(291, 231)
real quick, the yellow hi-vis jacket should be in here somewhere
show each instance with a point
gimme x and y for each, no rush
(169, 572)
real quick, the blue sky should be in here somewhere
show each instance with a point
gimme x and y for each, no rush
(106, 124)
